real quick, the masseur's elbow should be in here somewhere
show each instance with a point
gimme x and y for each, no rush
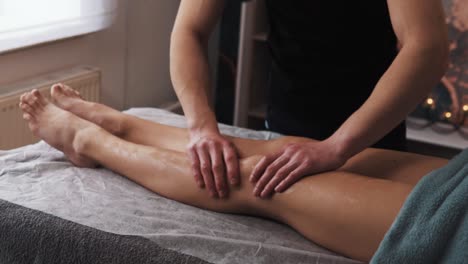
(429, 62)
(184, 36)
(434, 53)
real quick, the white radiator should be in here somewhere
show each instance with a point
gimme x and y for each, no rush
(14, 131)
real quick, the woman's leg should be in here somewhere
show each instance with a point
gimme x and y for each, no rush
(138, 130)
(392, 165)
(343, 211)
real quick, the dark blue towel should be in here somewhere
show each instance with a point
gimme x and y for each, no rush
(432, 226)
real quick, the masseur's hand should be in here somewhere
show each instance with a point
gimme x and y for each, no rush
(278, 171)
(214, 162)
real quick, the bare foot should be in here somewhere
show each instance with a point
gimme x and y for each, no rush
(70, 100)
(55, 126)
(65, 97)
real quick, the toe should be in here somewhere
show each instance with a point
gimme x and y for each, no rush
(28, 98)
(38, 105)
(41, 101)
(27, 117)
(56, 91)
(26, 108)
(57, 87)
(31, 100)
(23, 97)
(36, 93)
(77, 93)
(69, 91)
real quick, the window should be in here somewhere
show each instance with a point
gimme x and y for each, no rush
(29, 22)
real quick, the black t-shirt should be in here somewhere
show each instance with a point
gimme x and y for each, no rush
(327, 59)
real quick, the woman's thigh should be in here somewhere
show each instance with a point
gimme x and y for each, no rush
(393, 165)
(345, 212)
(388, 164)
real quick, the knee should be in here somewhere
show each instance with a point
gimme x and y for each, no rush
(244, 191)
(246, 166)
(245, 199)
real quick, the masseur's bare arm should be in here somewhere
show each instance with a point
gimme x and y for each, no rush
(421, 62)
(213, 156)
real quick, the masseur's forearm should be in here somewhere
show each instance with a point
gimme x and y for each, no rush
(414, 72)
(190, 75)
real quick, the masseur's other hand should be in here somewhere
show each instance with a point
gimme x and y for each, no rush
(214, 162)
(278, 171)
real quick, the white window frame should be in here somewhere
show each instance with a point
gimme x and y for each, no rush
(87, 23)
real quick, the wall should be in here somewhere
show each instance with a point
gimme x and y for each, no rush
(148, 52)
(133, 55)
(149, 30)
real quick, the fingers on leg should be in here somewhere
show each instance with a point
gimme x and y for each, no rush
(217, 164)
(196, 167)
(282, 173)
(205, 167)
(293, 177)
(270, 171)
(260, 168)
(232, 165)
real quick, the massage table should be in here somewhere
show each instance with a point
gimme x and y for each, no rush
(53, 212)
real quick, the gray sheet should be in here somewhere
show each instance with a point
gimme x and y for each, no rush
(29, 236)
(39, 177)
